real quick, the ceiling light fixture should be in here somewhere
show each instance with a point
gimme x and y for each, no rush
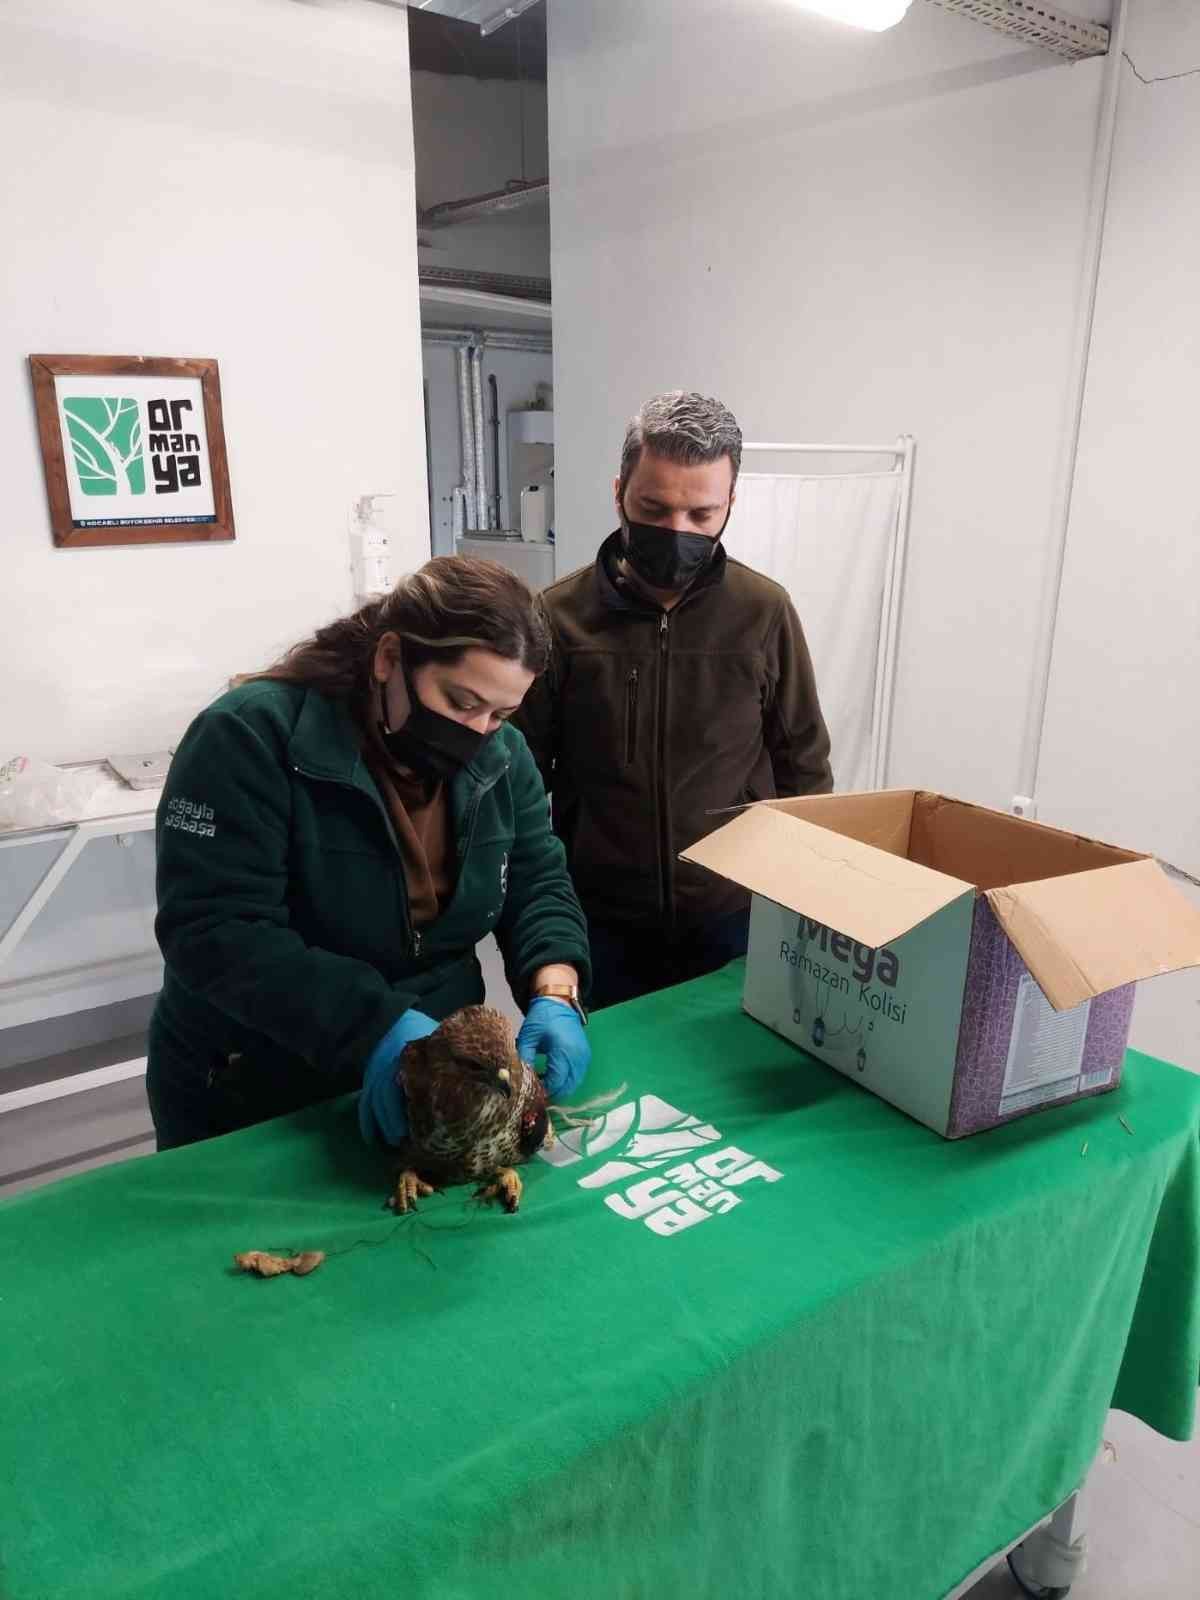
(876, 15)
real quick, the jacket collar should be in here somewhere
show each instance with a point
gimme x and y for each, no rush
(618, 595)
(324, 741)
(325, 744)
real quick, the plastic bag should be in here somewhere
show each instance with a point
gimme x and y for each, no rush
(34, 794)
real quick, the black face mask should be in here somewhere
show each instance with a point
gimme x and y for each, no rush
(665, 559)
(429, 744)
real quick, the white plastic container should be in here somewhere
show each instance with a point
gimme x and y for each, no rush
(534, 514)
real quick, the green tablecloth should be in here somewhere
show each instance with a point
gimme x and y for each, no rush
(877, 1358)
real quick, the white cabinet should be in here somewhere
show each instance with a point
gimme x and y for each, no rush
(533, 562)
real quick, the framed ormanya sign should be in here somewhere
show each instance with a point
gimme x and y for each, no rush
(133, 449)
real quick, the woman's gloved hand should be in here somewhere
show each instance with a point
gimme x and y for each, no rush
(553, 1029)
(382, 1108)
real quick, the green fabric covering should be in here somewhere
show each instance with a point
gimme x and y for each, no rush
(862, 1379)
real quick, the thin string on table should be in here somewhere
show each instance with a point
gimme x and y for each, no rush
(585, 1115)
(400, 1222)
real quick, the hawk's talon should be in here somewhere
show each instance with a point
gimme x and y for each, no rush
(409, 1188)
(506, 1187)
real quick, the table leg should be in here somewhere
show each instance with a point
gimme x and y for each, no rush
(1047, 1563)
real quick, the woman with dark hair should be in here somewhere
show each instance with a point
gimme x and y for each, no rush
(336, 836)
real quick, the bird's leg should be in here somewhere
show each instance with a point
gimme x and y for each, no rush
(506, 1187)
(409, 1188)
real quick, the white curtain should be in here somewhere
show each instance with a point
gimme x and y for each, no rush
(828, 541)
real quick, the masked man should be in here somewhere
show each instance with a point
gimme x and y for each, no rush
(680, 685)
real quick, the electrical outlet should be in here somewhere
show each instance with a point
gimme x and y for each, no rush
(1024, 805)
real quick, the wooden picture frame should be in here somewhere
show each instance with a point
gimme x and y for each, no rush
(151, 455)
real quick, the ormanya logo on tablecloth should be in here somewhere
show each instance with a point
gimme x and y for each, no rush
(698, 1182)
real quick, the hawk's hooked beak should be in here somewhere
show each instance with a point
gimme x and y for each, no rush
(504, 1079)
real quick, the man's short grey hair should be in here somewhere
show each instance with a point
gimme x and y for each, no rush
(685, 427)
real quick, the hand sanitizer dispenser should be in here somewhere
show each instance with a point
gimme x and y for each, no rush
(370, 560)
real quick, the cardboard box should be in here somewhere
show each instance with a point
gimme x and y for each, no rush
(961, 963)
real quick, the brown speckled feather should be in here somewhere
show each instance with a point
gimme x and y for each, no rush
(462, 1126)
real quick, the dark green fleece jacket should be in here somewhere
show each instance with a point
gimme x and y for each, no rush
(283, 910)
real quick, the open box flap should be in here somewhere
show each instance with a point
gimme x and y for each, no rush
(882, 818)
(872, 896)
(1090, 932)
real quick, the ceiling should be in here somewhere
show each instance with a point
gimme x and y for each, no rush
(447, 32)
(444, 36)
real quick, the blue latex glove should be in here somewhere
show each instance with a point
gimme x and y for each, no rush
(554, 1030)
(382, 1109)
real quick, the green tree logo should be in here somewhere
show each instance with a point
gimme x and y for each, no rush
(106, 442)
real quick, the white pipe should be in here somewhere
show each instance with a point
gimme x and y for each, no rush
(540, 343)
(466, 427)
(831, 449)
(874, 779)
(1031, 751)
(481, 494)
(458, 512)
(895, 608)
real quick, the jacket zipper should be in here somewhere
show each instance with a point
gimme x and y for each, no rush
(666, 864)
(631, 706)
(666, 857)
(472, 817)
(664, 820)
(414, 934)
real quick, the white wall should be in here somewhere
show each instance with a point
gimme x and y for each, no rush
(1121, 756)
(468, 142)
(518, 373)
(846, 236)
(231, 180)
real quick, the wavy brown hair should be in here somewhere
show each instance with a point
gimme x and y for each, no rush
(451, 605)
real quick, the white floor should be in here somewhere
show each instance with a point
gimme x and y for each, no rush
(1143, 1522)
(1144, 1507)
